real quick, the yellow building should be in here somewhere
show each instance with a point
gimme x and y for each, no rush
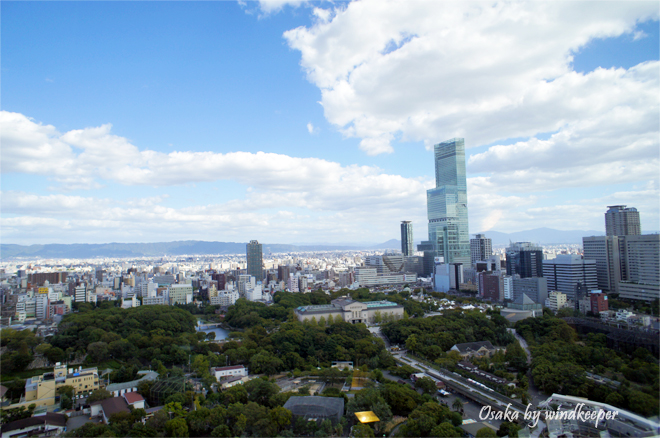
(41, 390)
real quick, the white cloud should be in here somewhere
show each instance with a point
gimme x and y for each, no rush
(312, 129)
(271, 6)
(311, 192)
(484, 71)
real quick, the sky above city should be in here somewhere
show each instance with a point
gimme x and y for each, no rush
(314, 122)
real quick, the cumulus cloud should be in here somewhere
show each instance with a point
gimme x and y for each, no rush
(290, 195)
(312, 129)
(428, 71)
(94, 155)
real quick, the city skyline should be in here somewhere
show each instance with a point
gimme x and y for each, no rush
(292, 122)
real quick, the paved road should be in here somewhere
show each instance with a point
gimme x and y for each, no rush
(523, 344)
(535, 394)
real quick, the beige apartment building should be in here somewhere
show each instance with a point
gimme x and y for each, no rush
(41, 390)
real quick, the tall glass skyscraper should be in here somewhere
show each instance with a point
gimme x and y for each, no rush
(255, 263)
(407, 238)
(447, 204)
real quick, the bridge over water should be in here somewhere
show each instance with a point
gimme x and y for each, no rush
(207, 326)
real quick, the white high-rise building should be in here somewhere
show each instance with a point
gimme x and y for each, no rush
(42, 304)
(565, 271)
(292, 283)
(81, 293)
(507, 286)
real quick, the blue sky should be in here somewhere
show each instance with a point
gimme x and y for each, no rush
(296, 122)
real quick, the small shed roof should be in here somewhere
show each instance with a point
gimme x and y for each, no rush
(366, 417)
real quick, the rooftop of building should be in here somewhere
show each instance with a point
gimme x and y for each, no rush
(468, 347)
(50, 418)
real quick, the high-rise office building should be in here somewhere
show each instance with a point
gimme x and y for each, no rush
(524, 259)
(480, 248)
(627, 265)
(447, 205)
(407, 238)
(622, 221)
(566, 270)
(607, 252)
(255, 261)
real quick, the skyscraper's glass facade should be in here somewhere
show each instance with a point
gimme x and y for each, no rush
(407, 238)
(255, 264)
(447, 204)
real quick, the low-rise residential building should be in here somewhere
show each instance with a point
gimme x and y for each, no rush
(556, 300)
(230, 371)
(478, 349)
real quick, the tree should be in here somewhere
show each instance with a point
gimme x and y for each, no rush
(221, 431)
(362, 431)
(516, 356)
(445, 430)
(97, 351)
(427, 385)
(66, 390)
(412, 343)
(65, 402)
(486, 432)
(99, 394)
(177, 427)
(510, 429)
(42, 348)
(261, 390)
(55, 354)
(457, 405)
(266, 363)
(280, 417)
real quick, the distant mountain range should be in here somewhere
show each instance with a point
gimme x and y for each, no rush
(542, 236)
(187, 247)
